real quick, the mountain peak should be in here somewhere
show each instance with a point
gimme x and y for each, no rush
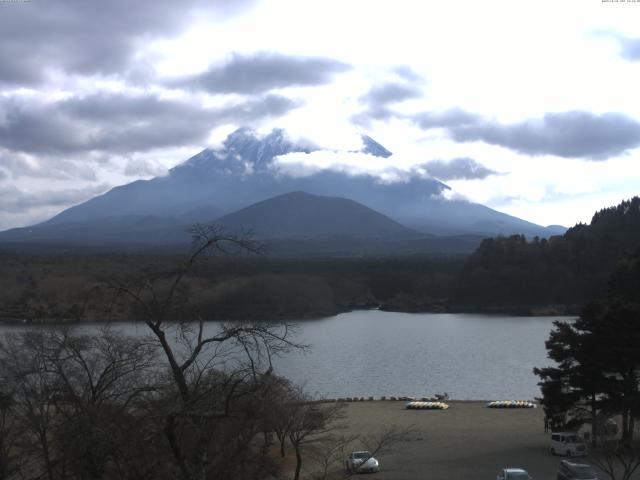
(369, 145)
(302, 214)
(243, 151)
(246, 151)
(260, 150)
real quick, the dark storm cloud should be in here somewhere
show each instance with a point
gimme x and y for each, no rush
(264, 71)
(458, 169)
(118, 123)
(454, 117)
(14, 200)
(77, 36)
(574, 134)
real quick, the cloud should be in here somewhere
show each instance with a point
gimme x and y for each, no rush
(458, 169)
(79, 37)
(301, 164)
(453, 117)
(364, 118)
(380, 98)
(389, 93)
(14, 200)
(407, 73)
(262, 72)
(255, 109)
(630, 48)
(354, 164)
(120, 123)
(140, 167)
(33, 166)
(574, 134)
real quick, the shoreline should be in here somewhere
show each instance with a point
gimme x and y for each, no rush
(528, 311)
(392, 399)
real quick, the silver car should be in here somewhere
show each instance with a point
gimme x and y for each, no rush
(361, 462)
(513, 474)
(576, 471)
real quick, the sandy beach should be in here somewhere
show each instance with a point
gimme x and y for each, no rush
(467, 441)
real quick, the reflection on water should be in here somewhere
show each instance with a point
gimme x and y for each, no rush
(366, 353)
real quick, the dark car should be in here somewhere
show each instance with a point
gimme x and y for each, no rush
(576, 471)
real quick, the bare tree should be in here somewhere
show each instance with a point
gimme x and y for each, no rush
(102, 378)
(32, 386)
(215, 373)
(10, 457)
(186, 401)
(384, 441)
(618, 460)
(73, 396)
(312, 422)
(329, 453)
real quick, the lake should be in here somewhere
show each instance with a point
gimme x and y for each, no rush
(375, 353)
(469, 356)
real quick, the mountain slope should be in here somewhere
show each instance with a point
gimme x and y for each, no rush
(300, 214)
(244, 171)
(117, 231)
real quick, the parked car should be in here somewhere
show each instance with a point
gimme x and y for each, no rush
(361, 462)
(576, 471)
(567, 443)
(513, 474)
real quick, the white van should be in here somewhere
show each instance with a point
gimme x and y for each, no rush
(567, 443)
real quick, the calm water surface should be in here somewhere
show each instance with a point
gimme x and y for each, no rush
(378, 353)
(386, 353)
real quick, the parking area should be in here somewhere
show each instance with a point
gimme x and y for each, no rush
(467, 441)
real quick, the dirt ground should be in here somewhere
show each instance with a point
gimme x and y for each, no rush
(467, 441)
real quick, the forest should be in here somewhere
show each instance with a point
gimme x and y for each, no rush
(174, 402)
(504, 275)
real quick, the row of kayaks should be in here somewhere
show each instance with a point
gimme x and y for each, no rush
(427, 406)
(511, 404)
(494, 404)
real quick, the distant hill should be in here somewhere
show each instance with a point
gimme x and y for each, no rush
(301, 224)
(292, 224)
(300, 214)
(564, 270)
(115, 232)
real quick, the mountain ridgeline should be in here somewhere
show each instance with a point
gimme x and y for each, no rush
(242, 184)
(505, 274)
(302, 215)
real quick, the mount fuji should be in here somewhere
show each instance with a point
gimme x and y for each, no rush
(244, 171)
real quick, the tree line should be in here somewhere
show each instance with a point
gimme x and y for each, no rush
(184, 400)
(596, 376)
(566, 270)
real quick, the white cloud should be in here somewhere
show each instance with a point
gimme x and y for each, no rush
(488, 58)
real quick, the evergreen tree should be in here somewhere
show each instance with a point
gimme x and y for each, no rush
(598, 356)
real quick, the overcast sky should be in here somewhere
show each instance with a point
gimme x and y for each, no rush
(529, 107)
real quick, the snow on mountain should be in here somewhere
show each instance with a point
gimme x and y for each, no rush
(241, 172)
